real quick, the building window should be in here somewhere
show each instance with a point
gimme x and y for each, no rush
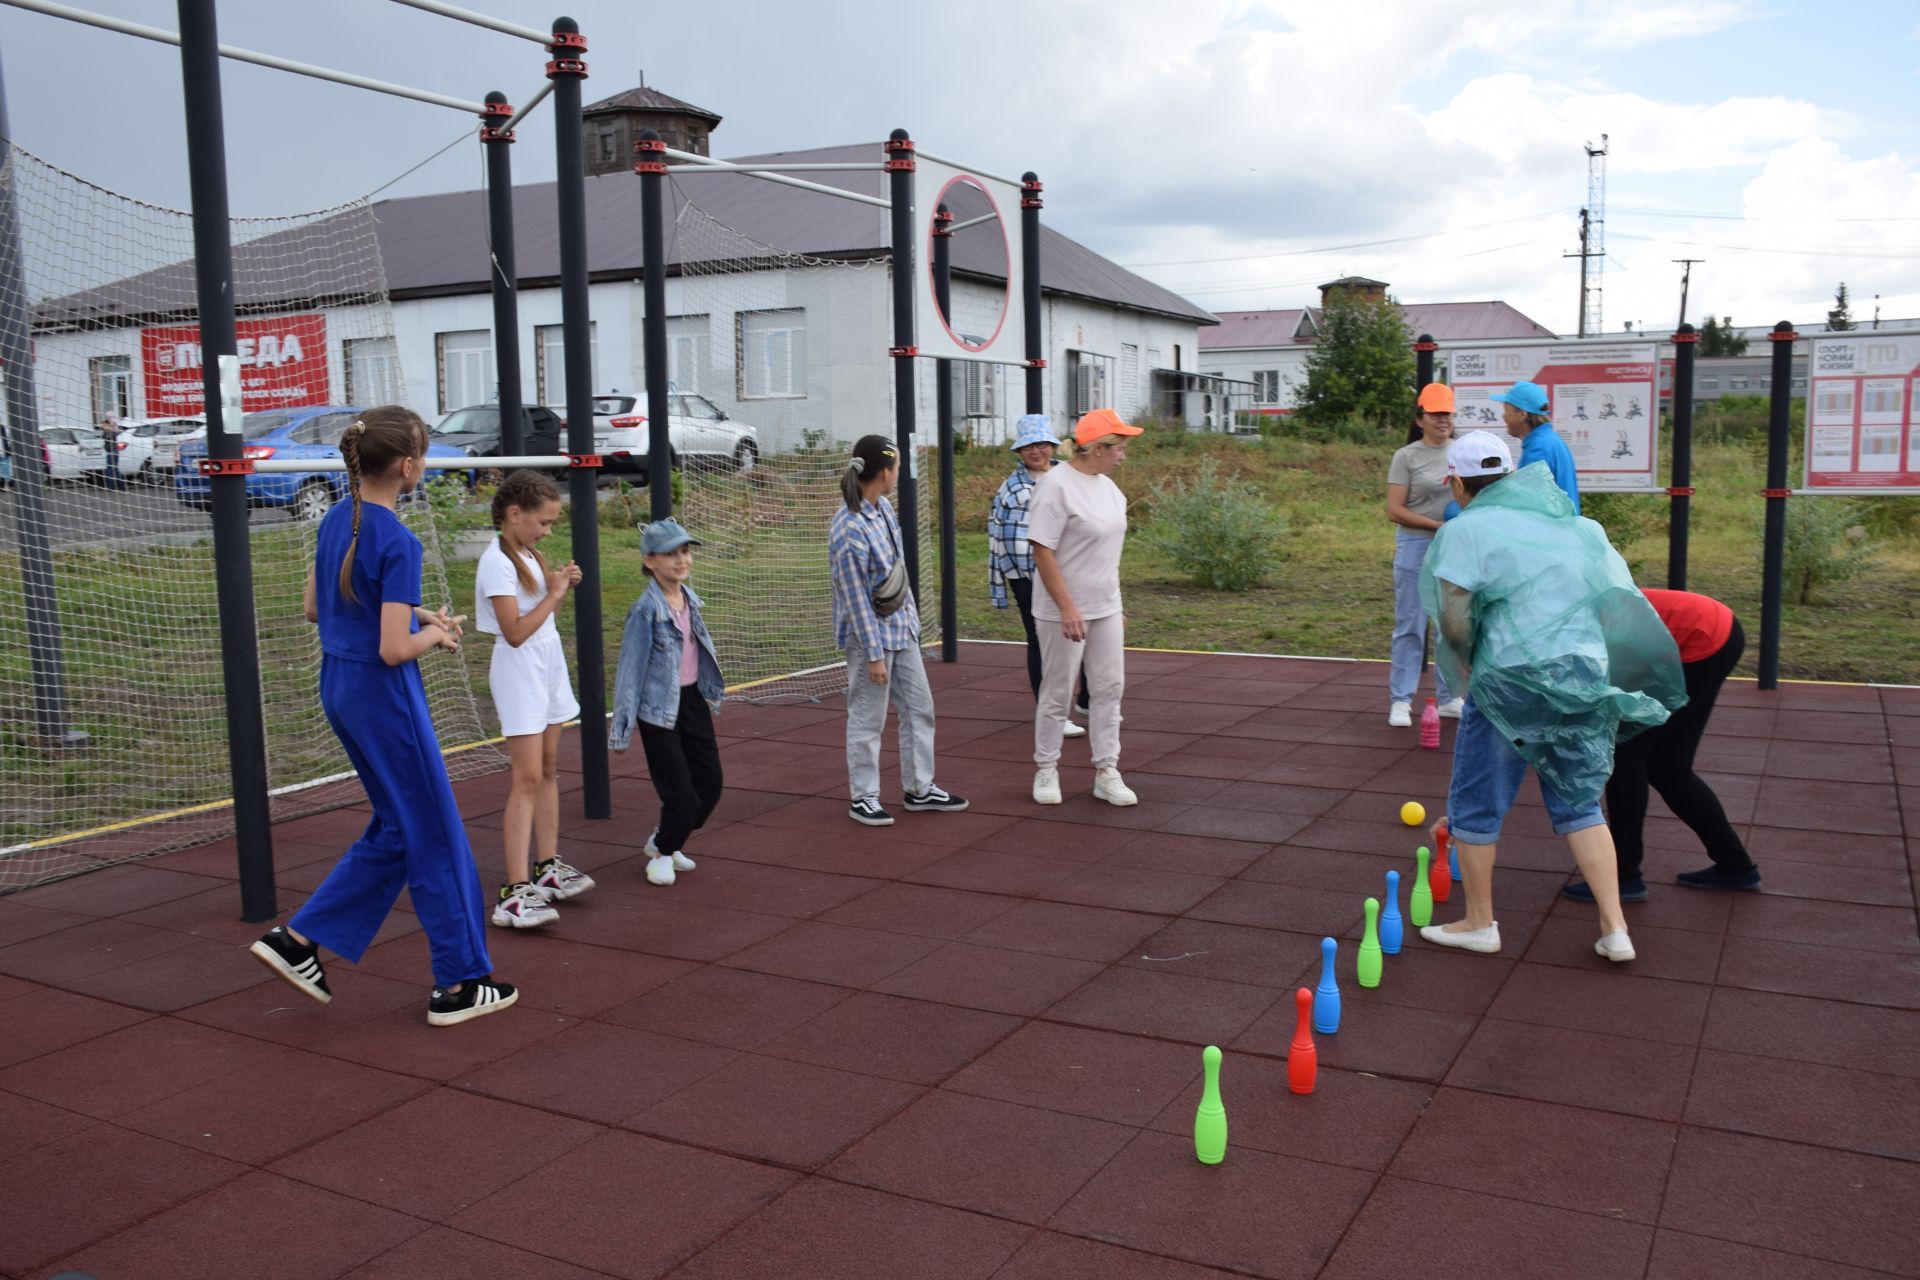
(773, 354)
(1799, 384)
(1737, 384)
(1710, 384)
(609, 147)
(1266, 386)
(1089, 382)
(373, 371)
(111, 378)
(689, 353)
(550, 361)
(466, 368)
(1763, 383)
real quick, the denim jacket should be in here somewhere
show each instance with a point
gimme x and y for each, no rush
(647, 682)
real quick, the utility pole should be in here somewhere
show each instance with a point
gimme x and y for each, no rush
(1593, 238)
(1686, 278)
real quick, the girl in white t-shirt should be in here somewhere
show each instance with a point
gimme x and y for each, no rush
(516, 595)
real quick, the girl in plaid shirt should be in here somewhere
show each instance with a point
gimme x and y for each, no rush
(1009, 557)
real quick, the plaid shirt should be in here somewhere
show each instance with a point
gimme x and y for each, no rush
(1008, 553)
(861, 546)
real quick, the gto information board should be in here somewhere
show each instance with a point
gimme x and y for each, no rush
(1602, 399)
(1861, 388)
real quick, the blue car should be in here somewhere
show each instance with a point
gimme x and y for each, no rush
(310, 432)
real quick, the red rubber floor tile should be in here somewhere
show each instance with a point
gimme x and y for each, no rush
(1260, 1213)
(70, 1192)
(1830, 973)
(1809, 727)
(117, 890)
(575, 979)
(772, 890)
(734, 1007)
(1677, 1256)
(839, 955)
(954, 1149)
(1831, 924)
(1062, 929)
(1063, 841)
(117, 1072)
(45, 1020)
(921, 910)
(652, 1204)
(1681, 954)
(1048, 1256)
(1017, 875)
(1349, 1119)
(1887, 886)
(1171, 1006)
(1579, 1068)
(907, 1040)
(1821, 1106)
(179, 978)
(226, 1233)
(1617, 1003)
(1422, 976)
(403, 1042)
(776, 1111)
(824, 1228)
(1188, 855)
(1238, 824)
(1375, 1037)
(1334, 870)
(1280, 797)
(1125, 1079)
(26, 1125)
(1861, 1037)
(58, 959)
(1143, 889)
(1826, 1204)
(597, 1071)
(1228, 952)
(1830, 848)
(20, 922)
(278, 1013)
(439, 1253)
(1318, 912)
(1667, 906)
(992, 978)
(1461, 1233)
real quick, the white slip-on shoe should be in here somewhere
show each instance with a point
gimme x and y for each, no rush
(681, 862)
(660, 870)
(1486, 941)
(1616, 946)
(1451, 708)
(1046, 785)
(1068, 729)
(1400, 715)
(1109, 786)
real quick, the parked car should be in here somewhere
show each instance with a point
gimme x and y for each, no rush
(696, 429)
(310, 432)
(150, 447)
(73, 453)
(476, 432)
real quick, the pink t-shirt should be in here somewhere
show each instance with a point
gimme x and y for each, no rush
(689, 647)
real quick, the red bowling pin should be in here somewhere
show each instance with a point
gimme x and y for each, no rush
(1303, 1062)
(1439, 877)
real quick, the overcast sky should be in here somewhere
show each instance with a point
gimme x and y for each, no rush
(1239, 151)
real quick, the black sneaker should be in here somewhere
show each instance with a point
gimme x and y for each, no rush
(299, 966)
(476, 998)
(936, 800)
(869, 813)
(1715, 878)
(1634, 890)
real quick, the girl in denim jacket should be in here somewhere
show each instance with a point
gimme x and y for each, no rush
(669, 680)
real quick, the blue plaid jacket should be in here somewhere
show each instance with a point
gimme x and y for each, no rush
(1008, 553)
(861, 546)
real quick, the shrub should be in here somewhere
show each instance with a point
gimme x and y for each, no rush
(1217, 532)
(1826, 544)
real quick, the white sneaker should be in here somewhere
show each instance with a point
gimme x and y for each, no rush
(660, 870)
(1069, 729)
(1486, 941)
(1046, 785)
(1452, 707)
(681, 862)
(525, 908)
(556, 880)
(1616, 946)
(1400, 715)
(1108, 786)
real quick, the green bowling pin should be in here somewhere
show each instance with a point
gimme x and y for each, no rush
(1367, 963)
(1420, 902)
(1210, 1121)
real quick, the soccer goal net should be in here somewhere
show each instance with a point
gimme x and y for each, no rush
(113, 736)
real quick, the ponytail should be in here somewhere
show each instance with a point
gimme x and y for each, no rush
(529, 491)
(373, 443)
(871, 456)
(350, 453)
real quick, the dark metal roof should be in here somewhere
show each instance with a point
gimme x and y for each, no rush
(645, 99)
(1446, 321)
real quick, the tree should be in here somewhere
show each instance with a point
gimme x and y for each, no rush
(1841, 317)
(1361, 368)
(1720, 338)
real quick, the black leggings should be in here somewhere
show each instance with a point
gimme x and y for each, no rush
(1663, 758)
(1022, 589)
(684, 762)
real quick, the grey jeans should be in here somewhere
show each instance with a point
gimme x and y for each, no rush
(907, 689)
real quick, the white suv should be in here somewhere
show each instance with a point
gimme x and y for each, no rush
(696, 429)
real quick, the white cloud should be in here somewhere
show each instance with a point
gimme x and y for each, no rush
(1628, 25)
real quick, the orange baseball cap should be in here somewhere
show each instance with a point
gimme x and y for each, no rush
(1436, 397)
(1101, 422)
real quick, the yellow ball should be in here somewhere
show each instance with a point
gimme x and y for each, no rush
(1413, 813)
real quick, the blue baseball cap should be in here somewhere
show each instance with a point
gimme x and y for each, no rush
(1528, 397)
(1034, 428)
(663, 536)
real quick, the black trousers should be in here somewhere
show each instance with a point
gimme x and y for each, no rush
(1662, 758)
(684, 762)
(1022, 589)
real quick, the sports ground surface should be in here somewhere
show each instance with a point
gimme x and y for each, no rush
(969, 1045)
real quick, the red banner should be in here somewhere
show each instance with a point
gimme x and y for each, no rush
(283, 364)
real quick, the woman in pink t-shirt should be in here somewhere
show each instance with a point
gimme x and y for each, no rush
(1077, 527)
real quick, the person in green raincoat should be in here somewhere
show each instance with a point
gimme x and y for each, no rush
(1560, 654)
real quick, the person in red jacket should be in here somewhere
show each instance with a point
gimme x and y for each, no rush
(1711, 642)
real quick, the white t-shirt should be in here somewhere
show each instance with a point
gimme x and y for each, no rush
(495, 577)
(1083, 520)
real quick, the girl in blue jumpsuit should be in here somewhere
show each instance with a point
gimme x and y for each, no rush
(364, 592)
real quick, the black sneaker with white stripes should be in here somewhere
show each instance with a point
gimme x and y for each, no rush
(868, 813)
(476, 998)
(298, 965)
(933, 799)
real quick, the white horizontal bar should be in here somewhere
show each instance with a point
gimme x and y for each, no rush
(728, 166)
(542, 38)
(966, 168)
(145, 32)
(539, 461)
(546, 87)
(721, 166)
(1840, 492)
(958, 227)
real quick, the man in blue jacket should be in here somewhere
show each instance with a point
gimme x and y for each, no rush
(1526, 417)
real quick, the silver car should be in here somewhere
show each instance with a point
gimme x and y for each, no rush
(73, 453)
(697, 429)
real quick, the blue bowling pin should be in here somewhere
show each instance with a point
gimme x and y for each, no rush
(1453, 862)
(1392, 927)
(1326, 997)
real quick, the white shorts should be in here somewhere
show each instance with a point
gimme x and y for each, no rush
(530, 686)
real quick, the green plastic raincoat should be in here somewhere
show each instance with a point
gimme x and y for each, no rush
(1540, 622)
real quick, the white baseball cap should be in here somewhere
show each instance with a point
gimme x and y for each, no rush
(1478, 453)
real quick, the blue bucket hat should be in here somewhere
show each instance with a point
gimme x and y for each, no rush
(1034, 428)
(663, 536)
(1528, 397)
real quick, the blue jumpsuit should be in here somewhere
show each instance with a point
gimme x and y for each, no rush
(417, 837)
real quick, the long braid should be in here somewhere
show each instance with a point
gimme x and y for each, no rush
(350, 454)
(527, 490)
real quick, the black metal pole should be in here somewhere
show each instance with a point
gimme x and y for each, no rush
(37, 585)
(1030, 205)
(232, 549)
(943, 412)
(651, 165)
(900, 167)
(1680, 491)
(498, 142)
(1773, 567)
(1423, 348)
(567, 69)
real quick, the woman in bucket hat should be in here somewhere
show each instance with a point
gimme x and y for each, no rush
(1009, 556)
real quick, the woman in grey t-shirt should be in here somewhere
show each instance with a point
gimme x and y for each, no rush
(1417, 498)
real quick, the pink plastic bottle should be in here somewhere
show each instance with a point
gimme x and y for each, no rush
(1430, 726)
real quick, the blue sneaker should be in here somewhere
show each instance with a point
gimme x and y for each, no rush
(1715, 878)
(1634, 890)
